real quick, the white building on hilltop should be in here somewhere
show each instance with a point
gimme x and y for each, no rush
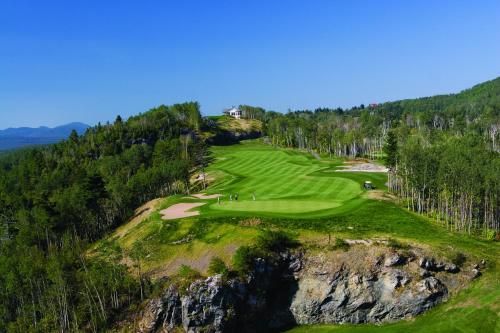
(234, 112)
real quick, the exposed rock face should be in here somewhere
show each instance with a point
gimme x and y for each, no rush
(208, 306)
(151, 317)
(164, 312)
(349, 297)
(394, 259)
(295, 289)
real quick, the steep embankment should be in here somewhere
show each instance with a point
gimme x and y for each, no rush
(368, 283)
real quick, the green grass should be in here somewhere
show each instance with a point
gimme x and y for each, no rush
(285, 182)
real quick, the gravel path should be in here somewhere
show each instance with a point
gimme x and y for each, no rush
(362, 167)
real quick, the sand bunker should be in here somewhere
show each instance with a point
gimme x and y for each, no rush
(180, 210)
(203, 196)
(362, 167)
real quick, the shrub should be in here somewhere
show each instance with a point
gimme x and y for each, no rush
(396, 245)
(187, 272)
(458, 259)
(243, 259)
(340, 244)
(275, 241)
(217, 266)
(268, 244)
(186, 276)
(490, 234)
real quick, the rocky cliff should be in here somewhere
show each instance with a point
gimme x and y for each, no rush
(365, 284)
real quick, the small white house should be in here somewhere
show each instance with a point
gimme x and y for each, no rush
(234, 112)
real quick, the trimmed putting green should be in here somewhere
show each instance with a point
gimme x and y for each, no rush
(280, 181)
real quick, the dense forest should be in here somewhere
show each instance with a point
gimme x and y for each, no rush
(55, 199)
(443, 151)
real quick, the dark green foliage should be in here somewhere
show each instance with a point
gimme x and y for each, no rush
(243, 259)
(217, 266)
(391, 150)
(458, 259)
(269, 244)
(252, 112)
(185, 277)
(396, 245)
(340, 244)
(275, 241)
(455, 180)
(55, 198)
(186, 272)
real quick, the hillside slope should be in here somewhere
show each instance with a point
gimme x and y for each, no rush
(159, 248)
(479, 101)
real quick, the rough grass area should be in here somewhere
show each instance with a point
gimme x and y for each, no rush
(232, 124)
(159, 247)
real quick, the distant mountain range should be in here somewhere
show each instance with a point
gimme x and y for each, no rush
(12, 138)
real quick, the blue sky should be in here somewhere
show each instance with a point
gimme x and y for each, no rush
(88, 61)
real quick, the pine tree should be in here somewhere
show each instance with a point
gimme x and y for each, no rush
(391, 150)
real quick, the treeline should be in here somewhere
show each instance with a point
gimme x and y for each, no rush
(456, 180)
(252, 112)
(55, 199)
(445, 149)
(329, 131)
(361, 130)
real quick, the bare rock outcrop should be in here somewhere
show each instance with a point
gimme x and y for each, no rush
(296, 289)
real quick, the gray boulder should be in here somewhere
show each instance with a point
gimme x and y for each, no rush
(475, 273)
(427, 263)
(394, 259)
(451, 268)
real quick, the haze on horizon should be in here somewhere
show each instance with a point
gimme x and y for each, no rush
(90, 60)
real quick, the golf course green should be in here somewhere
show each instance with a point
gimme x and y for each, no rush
(253, 177)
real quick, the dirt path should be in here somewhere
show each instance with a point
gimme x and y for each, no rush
(180, 210)
(204, 196)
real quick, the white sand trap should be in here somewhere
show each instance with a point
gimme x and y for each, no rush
(203, 196)
(362, 167)
(180, 210)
